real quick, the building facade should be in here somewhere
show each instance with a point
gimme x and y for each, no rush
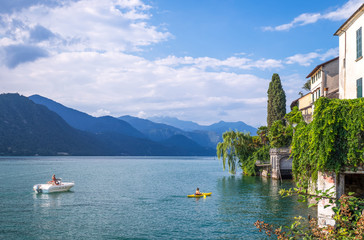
(325, 80)
(351, 62)
(304, 105)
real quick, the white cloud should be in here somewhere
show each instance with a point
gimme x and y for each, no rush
(303, 59)
(308, 58)
(142, 114)
(110, 25)
(344, 12)
(100, 113)
(340, 13)
(331, 53)
(126, 84)
(217, 64)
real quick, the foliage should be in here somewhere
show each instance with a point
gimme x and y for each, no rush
(280, 134)
(332, 141)
(237, 147)
(263, 134)
(307, 85)
(262, 153)
(276, 101)
(349, 217)
(294, 117)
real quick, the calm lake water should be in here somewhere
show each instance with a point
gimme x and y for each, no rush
(137, 198)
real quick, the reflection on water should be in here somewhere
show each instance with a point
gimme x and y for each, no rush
(50, 200)
(255, 198)
(56, 195)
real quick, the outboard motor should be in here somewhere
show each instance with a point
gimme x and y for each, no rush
(37, 188)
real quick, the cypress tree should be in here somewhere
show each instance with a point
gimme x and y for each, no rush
(276, 101)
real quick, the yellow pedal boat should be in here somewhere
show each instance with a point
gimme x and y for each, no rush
(198, 196)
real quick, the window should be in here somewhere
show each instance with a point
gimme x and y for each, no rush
(359, 88)
(319, 74)
(358, 43)
(319, 93)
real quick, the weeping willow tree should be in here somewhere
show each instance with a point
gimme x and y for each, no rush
(237, 148)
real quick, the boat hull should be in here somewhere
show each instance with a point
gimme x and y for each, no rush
(50, 188)
(198, 196)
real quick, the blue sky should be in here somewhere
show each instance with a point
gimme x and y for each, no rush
(204, 61)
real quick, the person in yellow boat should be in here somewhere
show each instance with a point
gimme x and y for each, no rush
(198, 192)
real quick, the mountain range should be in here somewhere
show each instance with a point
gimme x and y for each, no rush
(219, 128)
(41, 126)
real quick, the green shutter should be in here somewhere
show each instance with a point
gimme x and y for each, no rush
(358, 43)
(359, 88)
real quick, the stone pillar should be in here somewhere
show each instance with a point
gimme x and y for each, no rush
(326, 181)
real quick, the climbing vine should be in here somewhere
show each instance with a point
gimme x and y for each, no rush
(332, 141)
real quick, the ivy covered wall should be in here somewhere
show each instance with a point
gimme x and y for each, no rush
(334, 140)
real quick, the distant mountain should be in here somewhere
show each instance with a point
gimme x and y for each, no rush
(154, 131)
(160, 132)
(222, 127)
(121, 132)
(111, 136)
(186, 144)
(175, 122)
(85, 122)
(219, 128)
(27, 128)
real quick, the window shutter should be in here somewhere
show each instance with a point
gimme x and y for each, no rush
(358, 43)
(359, 88)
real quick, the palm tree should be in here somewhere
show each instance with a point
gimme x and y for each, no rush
(263, 134)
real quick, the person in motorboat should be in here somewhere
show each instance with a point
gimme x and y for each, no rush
(198, 192)
(54, 180)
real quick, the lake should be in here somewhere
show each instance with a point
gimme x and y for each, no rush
(137, 198)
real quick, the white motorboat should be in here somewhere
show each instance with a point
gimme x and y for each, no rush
(52, 187)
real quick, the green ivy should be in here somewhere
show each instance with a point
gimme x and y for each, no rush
(280, 134)
(332, 141)
(262, 153)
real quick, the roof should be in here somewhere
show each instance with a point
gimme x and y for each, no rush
(322, 64)
(294, 103)
(350, 20)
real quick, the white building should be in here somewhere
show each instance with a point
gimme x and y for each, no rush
(351, 70)
(325, 80)
(351, 74)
